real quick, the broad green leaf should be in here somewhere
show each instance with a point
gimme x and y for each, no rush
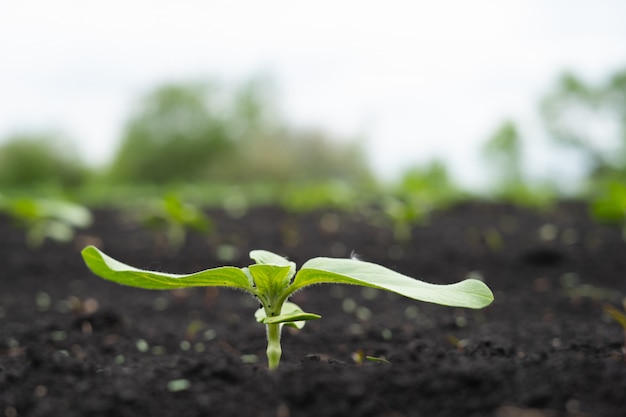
(113, 270)
(470, 293)
(291, 315)
(268, 258)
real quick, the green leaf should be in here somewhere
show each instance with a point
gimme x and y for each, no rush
(617, 315)
(52, 229)
(25, 209)
(268, 258)
(32, 210)
(470, 293)
(377, 359)
(291, 315)
(70, 213)
(185, 214)
(108, 268)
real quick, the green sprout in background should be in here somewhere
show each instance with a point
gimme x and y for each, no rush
(173, 218)
(503, 154)
(273, 279)
(41, 218)
(419, 192)
(619, 317)
(609, 204)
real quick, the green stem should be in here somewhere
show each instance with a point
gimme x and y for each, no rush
(274, 350)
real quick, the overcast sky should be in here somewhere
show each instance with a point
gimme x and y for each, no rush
(417, 79)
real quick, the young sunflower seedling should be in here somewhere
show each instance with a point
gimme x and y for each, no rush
(273, 279)
(53, 219)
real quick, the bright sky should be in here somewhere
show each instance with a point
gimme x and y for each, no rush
(418, 79)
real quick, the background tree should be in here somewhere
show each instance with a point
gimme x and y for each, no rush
(201, 132)
(40, 158)
(592, 120)
(176, 132)
(503, 153)
(298, 155)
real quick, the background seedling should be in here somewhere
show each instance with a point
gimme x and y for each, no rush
(54, 219)
(609, 204)
(273, 279)
(419, 192)
(359, 357)
(173, 218)
(619, 317)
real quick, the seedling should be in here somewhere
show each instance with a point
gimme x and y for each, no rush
(359, 357)
(273, 279)
(419, 192)
(53, 219)
(619, 317)
(609, 206)
(172, 217)
(404, 214)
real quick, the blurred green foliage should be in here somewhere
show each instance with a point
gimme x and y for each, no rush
(199, 132)
(229, 145)
(173, 217)
(36, 159)
(43, 218)
(608, 202)
(175, 133)
(503, 154)
(592, 120)
(427, 187)
(420, 191)
(296, 156)
(322, 195)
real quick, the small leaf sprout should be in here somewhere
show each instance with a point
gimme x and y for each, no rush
(173, 218)
(43, 218)
(619, 316)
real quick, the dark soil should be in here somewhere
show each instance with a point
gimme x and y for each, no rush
(72, 344)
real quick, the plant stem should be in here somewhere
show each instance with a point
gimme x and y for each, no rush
(274, 350)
